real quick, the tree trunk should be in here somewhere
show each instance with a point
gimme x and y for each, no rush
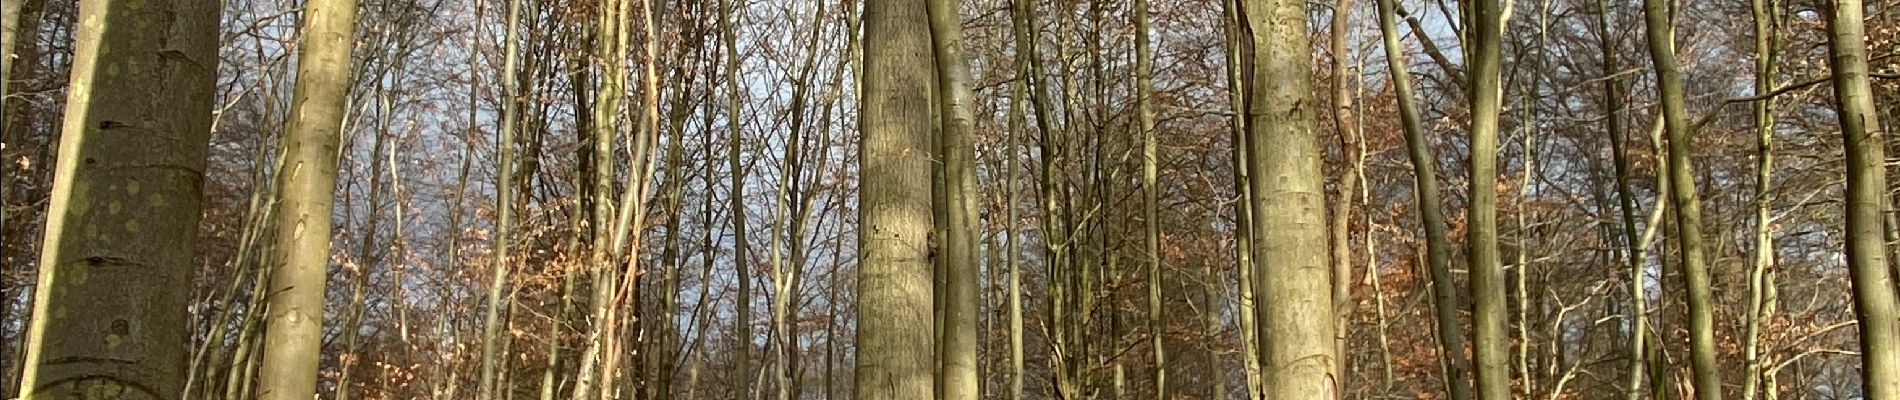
(1151, 226)
(123, 218)
(894, 229)
(958, 347)
(1491, 346)
(1767, 38)
(1345, 125)
(1011, 155)
(1298, 352)
(1445, 306)
(1874, 297)
(294, 334)
(504, 203)
(1658, 19)
(741, 261)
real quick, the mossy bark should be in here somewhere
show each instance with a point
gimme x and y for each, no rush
(108, 322)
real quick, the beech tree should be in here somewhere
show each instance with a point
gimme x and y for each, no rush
(125, 203)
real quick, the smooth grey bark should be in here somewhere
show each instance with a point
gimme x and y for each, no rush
(958, 343)
(894, 330)
(1874, 299)
(1297, 349)
(122, 221)
(294, 332)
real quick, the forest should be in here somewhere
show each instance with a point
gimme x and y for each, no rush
(949, 199)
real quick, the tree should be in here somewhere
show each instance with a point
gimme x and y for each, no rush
(1767, 36)
(894, 230)
(125, 206)
(1874, 297)
(741, 261)
(1658, 17)
(1150, 194)
(958, 345)
(1297, 351)
(307, 185)
(1485, 92)
(1431, 214)
(504, 204)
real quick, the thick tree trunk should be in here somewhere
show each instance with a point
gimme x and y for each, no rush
(1298, 352)
(294, 333)
(894, 222)
(123, 218)
(1491, 347)
(1874, 297)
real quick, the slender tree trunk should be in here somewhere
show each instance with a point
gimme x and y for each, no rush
(366, 251)
(125, 205)
(12, 27)
(1767, 38)
(1011, 155)
(1658, 17)
(1298, 351)
(663, 364)
(1451, 337)
(1237, 64)
(1874, 297)
(1491, 345)
(958, 253)
(1638, 315)
(294, 334)
(742, 319)
(1345, 124)
(1151, 227)
(10, 11)
(592, 376)
(504, 204)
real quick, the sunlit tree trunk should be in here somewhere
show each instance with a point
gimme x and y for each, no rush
(1345, 124)
(1491, 347)
(1445, 305)
(1237, 65)
(958, 253)
(294, 333)
(894, 221)
(1151, 227)
(1874, 297)
(1298, 353)
(1658, 17)
(122, 221)
(1767, 38)
(504, 204)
